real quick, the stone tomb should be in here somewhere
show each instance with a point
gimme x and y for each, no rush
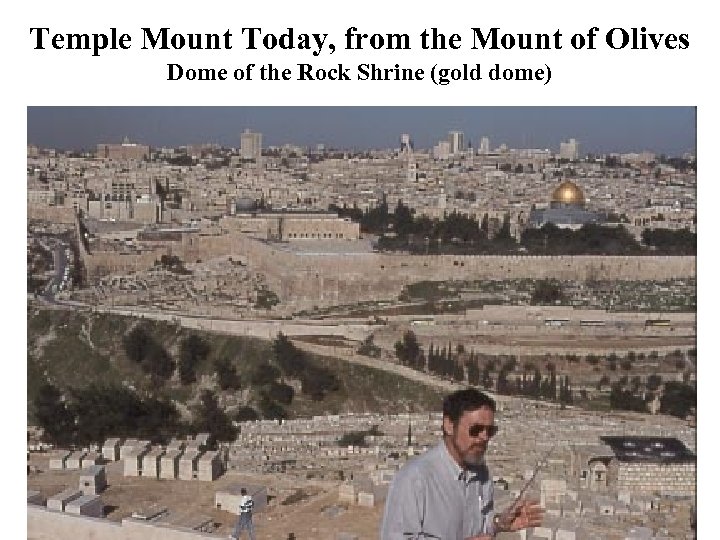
(209, 466)
(188, 465)
(35, 497)
(92, 480)
(151, 462)
(86, 505)
(59, 502)
(111, 449)
(58, 460)
(169, 464)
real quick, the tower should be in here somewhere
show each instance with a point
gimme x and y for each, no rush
(250, 146)
(457, 142)
(484, 146)
(406, 144)
(569, 150)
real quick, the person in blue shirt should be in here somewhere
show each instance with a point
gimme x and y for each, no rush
(447, 493)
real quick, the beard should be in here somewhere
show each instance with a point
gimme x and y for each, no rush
(473, 456)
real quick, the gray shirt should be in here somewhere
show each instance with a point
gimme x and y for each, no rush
(433, 497)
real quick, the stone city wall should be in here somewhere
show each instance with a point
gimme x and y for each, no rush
(344, 279)
(190, 248)
(672, 478)
(331, 279)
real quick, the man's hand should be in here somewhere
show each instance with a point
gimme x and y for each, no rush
(525, 514)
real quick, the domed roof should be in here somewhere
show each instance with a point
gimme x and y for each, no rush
(568, 193)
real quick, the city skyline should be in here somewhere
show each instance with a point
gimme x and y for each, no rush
(663, 130)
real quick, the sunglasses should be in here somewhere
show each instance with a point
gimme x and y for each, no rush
(477, 429)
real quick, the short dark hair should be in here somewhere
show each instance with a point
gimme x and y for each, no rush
(461, 401)
(243, 491)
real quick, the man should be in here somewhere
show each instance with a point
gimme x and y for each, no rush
(448, 493)
(245, 518)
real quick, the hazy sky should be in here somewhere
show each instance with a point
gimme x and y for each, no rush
(669, 130)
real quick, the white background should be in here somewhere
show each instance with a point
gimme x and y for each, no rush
(136, 77)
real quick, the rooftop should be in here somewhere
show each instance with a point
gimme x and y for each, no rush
(649, 449)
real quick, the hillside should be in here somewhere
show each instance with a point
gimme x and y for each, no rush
(77, 350)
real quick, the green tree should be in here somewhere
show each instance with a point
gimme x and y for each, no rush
(272, 410)
(368, 347)
(546, 291)
(678, 399)
(245, 414)
(552, 386)
(141, 347)
(623, 399)
(458, 374)
(408, 350)
(137, 343)
(158, 364)
(264, 374)
(317, 382)
(486, 380)
(502, 386)
(123, 413)
(503, 236)
(289, 358)
(592, 359)
(473, 371)
(653, 382)
(565, 391)
(193, 350)
(211, 418)
(228, 378)
(280, 392)
(53, 416)
(353, 438)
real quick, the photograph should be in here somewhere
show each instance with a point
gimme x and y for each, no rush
(362, 322)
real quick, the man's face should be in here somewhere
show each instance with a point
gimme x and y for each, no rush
(468, 440)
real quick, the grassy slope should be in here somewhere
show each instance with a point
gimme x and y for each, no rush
(60, 352)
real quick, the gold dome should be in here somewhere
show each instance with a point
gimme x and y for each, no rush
(568, 193)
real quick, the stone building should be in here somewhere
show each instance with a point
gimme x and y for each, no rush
(294, 226)
(567, 209)
(650, 465)
(124, 151)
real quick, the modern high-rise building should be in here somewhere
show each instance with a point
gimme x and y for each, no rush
(406, 144)
(569, 150)
(250, 145)
(484, 146)
(457, 142)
